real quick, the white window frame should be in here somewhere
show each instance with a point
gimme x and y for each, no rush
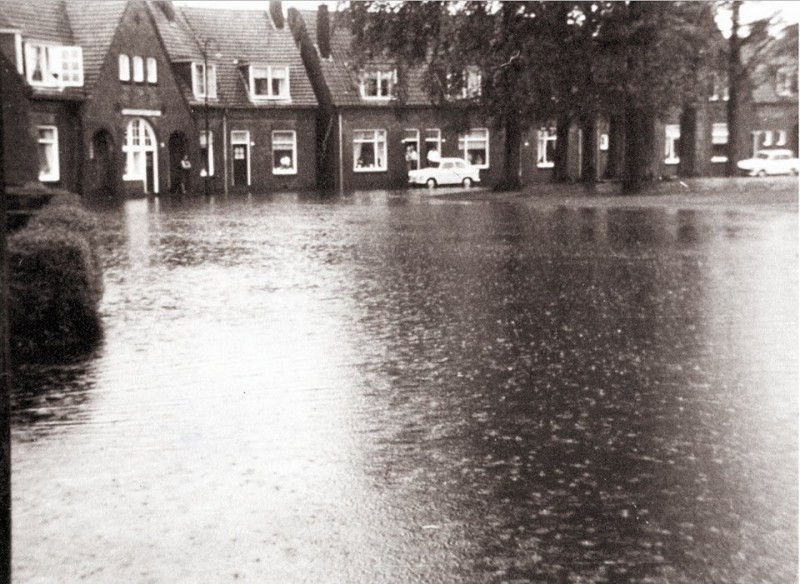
(603, 142)
(473, 82)
(138, 69)
(718, 132)
(783, 81)
(672, 134)
(465, 140)
(378, 76)
(432, 136)
(282, 145)
(767, 141)
(378, 138)
(62, 66)
(152, 70)
(209, 145)
(543, 136)
(124, 67)
(239, 137)
(135, 143)
(781, 139)
(412, 140)
(199, 80)
(270, 73)
(52, 153)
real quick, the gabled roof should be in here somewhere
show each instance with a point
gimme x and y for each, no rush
(236, 38)
(340, 74)
(94, 23)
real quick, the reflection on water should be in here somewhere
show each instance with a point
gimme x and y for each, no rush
(396, 388)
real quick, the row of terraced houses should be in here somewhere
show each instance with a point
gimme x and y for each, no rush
(144, 97)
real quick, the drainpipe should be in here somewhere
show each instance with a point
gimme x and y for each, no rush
(225, 150)
(5, 375)
(341, 158)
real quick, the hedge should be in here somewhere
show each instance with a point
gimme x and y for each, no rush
(56, 284)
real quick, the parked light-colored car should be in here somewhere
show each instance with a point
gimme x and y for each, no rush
(770, 162)
(448, 171)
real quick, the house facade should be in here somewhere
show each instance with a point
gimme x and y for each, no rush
(254, 110)
(370, 139)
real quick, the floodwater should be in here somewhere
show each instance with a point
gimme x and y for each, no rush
(397, 388)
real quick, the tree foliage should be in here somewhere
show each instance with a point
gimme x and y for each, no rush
(563, 61)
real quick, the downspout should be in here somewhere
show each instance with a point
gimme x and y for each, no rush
(341, 158)
(225, 150)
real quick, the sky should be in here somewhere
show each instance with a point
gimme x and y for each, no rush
(788, 9)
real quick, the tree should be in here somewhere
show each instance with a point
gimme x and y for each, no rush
(545, 60)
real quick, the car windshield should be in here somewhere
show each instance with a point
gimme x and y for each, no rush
(763, 155)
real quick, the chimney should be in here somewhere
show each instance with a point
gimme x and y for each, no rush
(167, 8)
(323, 31)
(276, 12)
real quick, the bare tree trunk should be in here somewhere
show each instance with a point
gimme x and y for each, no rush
(560, 164)
(511, 161)
(616, 143)
(639, 148)
(687, 146)
(589, 146)
(734, 57)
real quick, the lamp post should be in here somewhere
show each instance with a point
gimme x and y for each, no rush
(205, 111)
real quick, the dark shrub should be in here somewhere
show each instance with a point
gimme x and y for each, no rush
(55, 284)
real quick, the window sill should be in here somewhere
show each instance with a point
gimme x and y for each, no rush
(49, 179)
(545, 165)
(284, 171)
(131, 178)
(376, 98)
(370, 169)
(672, 161)
(719, 159)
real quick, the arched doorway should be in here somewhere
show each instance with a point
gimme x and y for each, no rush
(177, 150)
(141, 155)
(104, 179)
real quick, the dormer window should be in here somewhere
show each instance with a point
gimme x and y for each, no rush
(204, 85)
(377, 84)
(472, 84)
(786, 81)
(268, 82)
(719, 88)
(53, 65)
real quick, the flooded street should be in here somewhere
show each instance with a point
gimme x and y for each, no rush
(399, 388)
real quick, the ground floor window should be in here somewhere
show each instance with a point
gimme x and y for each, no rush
(411, 148)
(719, 142)
(672, 136)
(546, 148)
(139, 140)
(433, 146)
(284, 152)
(474, 147)
(47, 145)
(369, 150)
(207, 153)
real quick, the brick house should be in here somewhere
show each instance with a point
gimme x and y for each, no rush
(368, 139)
(254, 110)
(38, 39)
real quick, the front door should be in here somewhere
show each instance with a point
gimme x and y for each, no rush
(240, 142)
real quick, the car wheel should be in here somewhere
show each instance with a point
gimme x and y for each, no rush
(761, 172)
(467, 182)
(793, 172)
(431, 183)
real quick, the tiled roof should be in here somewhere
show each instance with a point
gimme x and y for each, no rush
(42, 20)
(240, 37)
(94, 23)
(340, 75)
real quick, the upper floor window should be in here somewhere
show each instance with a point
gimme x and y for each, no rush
(53, 65)
(138, 69)
(718, 88)
(204, 85)
(268, 82)
(472, 83)
(124, 67)
(152, 70)
(786, 81)
(377, 84)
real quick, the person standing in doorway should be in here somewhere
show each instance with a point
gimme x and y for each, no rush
(186, 167)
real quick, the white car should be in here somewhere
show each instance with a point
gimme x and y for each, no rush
(770, 162)
(448, 171)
